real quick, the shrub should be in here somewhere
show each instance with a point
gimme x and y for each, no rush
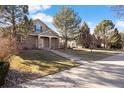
(4, 67)
(7, 47)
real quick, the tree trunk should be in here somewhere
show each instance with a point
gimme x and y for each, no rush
(104, 38)
(104, 43)
(13, 23)
(66, 42)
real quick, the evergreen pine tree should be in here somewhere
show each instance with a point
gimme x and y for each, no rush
(115, 39)
(84, 35)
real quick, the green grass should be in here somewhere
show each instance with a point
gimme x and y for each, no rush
(87, 55)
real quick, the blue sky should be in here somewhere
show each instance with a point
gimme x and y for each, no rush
(92, 14)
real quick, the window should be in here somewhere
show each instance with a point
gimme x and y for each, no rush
(38, 28)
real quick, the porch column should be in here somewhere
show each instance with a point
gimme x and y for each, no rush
(49, 42)
(58, 43)
(38, 43)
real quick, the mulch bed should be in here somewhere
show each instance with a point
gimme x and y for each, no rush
(15, 77)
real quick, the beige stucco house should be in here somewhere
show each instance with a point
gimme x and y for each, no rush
(42, 38)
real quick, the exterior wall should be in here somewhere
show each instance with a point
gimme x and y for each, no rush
(72, 44)
(44, 28)
(30, 42)
(54, 43)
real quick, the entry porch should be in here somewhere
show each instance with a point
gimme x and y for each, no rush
(47, 42)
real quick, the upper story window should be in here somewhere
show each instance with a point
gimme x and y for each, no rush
(38, 28)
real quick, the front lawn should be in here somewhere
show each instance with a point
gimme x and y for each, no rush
(32, 64)
(86, 54)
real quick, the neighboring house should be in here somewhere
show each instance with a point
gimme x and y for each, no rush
(96, 41)
(42, 37)
(70, 44)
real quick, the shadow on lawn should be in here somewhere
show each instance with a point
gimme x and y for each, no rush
(45, 59)
(40, 55)
(94, 56)
(87, 75)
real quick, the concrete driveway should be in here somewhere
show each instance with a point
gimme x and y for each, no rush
(108, 72)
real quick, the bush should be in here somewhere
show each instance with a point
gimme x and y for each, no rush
(4, 67)
(98, 46)
(118, 46)
(7, 47)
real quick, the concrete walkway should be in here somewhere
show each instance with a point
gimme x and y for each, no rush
(94, 74)
(95, 50)
(70, 57)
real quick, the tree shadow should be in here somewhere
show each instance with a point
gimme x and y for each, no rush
(40, 55)
(44, 59)
(88, 55)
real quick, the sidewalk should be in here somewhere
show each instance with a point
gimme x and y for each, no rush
(107, 51)
(115, 60)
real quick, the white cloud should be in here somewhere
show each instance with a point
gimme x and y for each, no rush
(34, 8)
(120, 24)
(36, 12)
(38, 8)
(43, 17)
(46, 7)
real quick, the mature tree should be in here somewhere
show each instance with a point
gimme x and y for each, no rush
(102, 29)
(115, 39)
(67, 22)
(122, 36)
(119, 10)
(122, 39)
(13, 15)
(25, 28)
(84, 35)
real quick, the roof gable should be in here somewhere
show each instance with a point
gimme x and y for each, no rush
(47, 31)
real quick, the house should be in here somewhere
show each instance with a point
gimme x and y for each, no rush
(70, 44)
(42, 37)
